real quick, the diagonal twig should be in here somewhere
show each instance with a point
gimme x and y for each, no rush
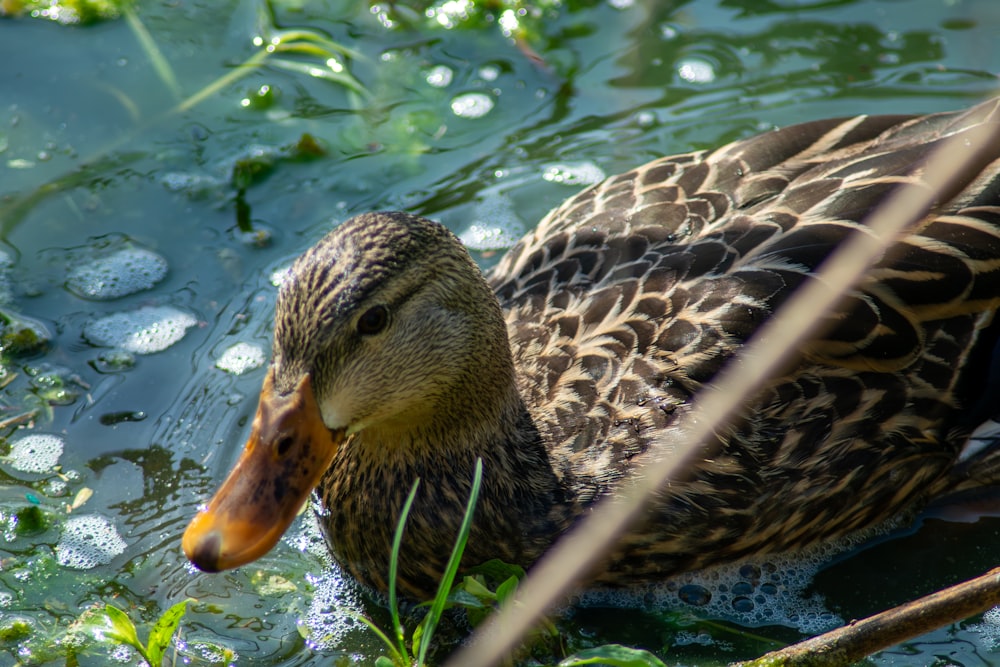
(857, 639)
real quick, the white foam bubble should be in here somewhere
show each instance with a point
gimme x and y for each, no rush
(240, 358)
(87, 541)
(574, 173)
(489, 73)
(6, 263)
(336, 599)
(495, 227)
(123, 272)
(280, 275)
(765, 590)
(143, 331)
(989, 629)
(195, 185)
(487, 237)
(694, 70)
(472, 105)
(37, 452)
(440, 76)
(208, 653)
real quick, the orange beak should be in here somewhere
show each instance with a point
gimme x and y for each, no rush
(288, 451)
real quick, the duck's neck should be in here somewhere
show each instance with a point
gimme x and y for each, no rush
(521, 503)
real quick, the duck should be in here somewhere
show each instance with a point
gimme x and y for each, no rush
(572, 363)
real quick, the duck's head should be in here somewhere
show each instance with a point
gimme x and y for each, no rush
(382, 332)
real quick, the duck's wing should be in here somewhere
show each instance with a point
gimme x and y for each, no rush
(631, 295)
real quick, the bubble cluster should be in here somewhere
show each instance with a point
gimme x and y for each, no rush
(336, 602)
(280, 275)
(487, 237)
(123, 272)
(88, 541)
(495, 227)
(194, 185)
(6, 264)
(37, 452)
(770, 590)
(240, 358)
(577, 173)
(143, 331)
(472, 105)
(989, 629)
(440, 76)
(328, 617)
(694, 70)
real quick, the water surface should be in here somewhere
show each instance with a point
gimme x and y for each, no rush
(102, 165)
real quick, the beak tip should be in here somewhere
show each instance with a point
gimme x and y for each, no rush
(204, 551)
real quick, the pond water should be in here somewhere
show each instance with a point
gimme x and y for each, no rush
(157, 171)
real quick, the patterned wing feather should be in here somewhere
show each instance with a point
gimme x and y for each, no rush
(630, 296)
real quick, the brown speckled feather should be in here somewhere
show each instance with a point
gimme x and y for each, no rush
(577, 357)
(631, 295)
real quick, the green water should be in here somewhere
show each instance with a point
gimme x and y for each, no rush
(99, 149)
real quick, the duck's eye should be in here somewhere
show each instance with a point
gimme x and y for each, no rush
(373, 320)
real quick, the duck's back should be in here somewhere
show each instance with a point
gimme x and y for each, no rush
(630, 296)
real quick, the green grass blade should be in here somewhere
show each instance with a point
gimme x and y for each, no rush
(397, 540)
(396, 658)
(340, 78)
(444, 587)
(160, 64)
(246, 68)
(301, 35)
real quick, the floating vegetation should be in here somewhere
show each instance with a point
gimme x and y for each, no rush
(55, 386)
(515, 18)
(31, 520)
(68, 12)
(22, 336)
(112, 624)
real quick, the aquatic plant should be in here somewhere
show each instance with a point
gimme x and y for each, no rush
(113, 624)
(476, 598)
(422, 635)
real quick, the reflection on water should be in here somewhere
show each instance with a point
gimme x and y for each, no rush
(143, 243)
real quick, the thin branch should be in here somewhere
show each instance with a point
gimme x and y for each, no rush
(857, 639)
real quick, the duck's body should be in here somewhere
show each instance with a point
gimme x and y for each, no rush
(577, 358)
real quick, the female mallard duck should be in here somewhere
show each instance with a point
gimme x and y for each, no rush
(575, 359)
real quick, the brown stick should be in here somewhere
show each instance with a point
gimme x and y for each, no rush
(857, 639)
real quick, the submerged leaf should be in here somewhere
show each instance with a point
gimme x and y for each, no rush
(614, 655)
(119, 628)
